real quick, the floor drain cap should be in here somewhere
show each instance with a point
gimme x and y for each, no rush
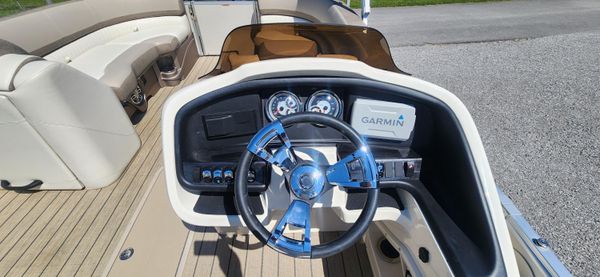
(126, 254)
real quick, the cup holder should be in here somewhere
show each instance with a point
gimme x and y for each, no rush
(170, 74)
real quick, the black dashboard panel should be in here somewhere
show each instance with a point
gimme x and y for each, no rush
(210, 131)
(217, 130)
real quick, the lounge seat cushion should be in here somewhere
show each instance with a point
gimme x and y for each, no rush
(237, 60)
(121, 72)
(275, 44)
(118, 54)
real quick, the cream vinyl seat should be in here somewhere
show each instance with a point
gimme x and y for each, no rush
(60, 126)
(118, 54)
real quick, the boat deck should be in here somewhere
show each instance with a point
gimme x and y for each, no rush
(243, 255)
(81, 233)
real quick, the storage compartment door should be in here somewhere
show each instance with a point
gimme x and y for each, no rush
(215, 19)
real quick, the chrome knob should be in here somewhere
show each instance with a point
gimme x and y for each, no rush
(206, 176)
(228, 175)
(218, 176)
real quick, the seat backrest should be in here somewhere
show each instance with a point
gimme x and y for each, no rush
(79, 118)
(45, 29)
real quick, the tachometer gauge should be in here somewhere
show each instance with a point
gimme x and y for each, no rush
(326, 102)
(282, 103)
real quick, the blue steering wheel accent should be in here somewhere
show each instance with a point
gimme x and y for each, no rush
(298, 215)
(357, 170)
(283, 157)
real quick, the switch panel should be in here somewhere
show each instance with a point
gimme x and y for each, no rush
(399, 169)
(221, 176)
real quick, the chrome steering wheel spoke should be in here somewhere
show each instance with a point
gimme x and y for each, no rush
(284, 157)
(357, 170)
(298, 215)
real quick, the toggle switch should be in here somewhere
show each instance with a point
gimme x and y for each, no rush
(409, 169)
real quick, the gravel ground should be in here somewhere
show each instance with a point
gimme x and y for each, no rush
(536, 103)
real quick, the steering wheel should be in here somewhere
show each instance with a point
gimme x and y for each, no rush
(307, 182)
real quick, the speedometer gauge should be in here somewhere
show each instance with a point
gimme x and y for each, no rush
(282, 103)
(325, 102)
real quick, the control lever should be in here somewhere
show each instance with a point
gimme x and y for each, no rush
(251, 176)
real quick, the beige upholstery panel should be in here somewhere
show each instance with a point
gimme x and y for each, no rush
(124, 34)
(274, 44)
(118, 54)
(26, 156)
(10, 65)
(151, 28)
(121, 74)
(95, 61)
(108, 10)
(52, 27)
(238, 60)
(79, 117)
(338, 56)
(164, 44)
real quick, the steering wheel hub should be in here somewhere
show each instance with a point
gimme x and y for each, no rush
(307, 182)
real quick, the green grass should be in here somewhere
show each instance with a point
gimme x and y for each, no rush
(9, 7)
(398, 3)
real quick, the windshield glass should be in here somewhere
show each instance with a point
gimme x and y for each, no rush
(254, 43)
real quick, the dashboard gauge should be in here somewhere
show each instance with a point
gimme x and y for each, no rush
(282, 103)
(325, 102)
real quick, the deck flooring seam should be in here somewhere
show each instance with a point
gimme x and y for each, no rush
(53, 216)
(120, 240)
(127, 211)
(19, 222)
(60, 224)
(96, 194)
(15, 209)
(112, 190)
(120, 198)
(23, 217)
(199, 248)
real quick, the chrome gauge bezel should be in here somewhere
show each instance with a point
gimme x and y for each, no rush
(268, 111)
(328, 92)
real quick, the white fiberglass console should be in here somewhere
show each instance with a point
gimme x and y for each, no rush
(186, 112)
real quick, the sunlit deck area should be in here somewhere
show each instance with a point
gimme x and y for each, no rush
(81, 233)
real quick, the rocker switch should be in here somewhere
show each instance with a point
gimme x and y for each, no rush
(409, 169)
(380, 169)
